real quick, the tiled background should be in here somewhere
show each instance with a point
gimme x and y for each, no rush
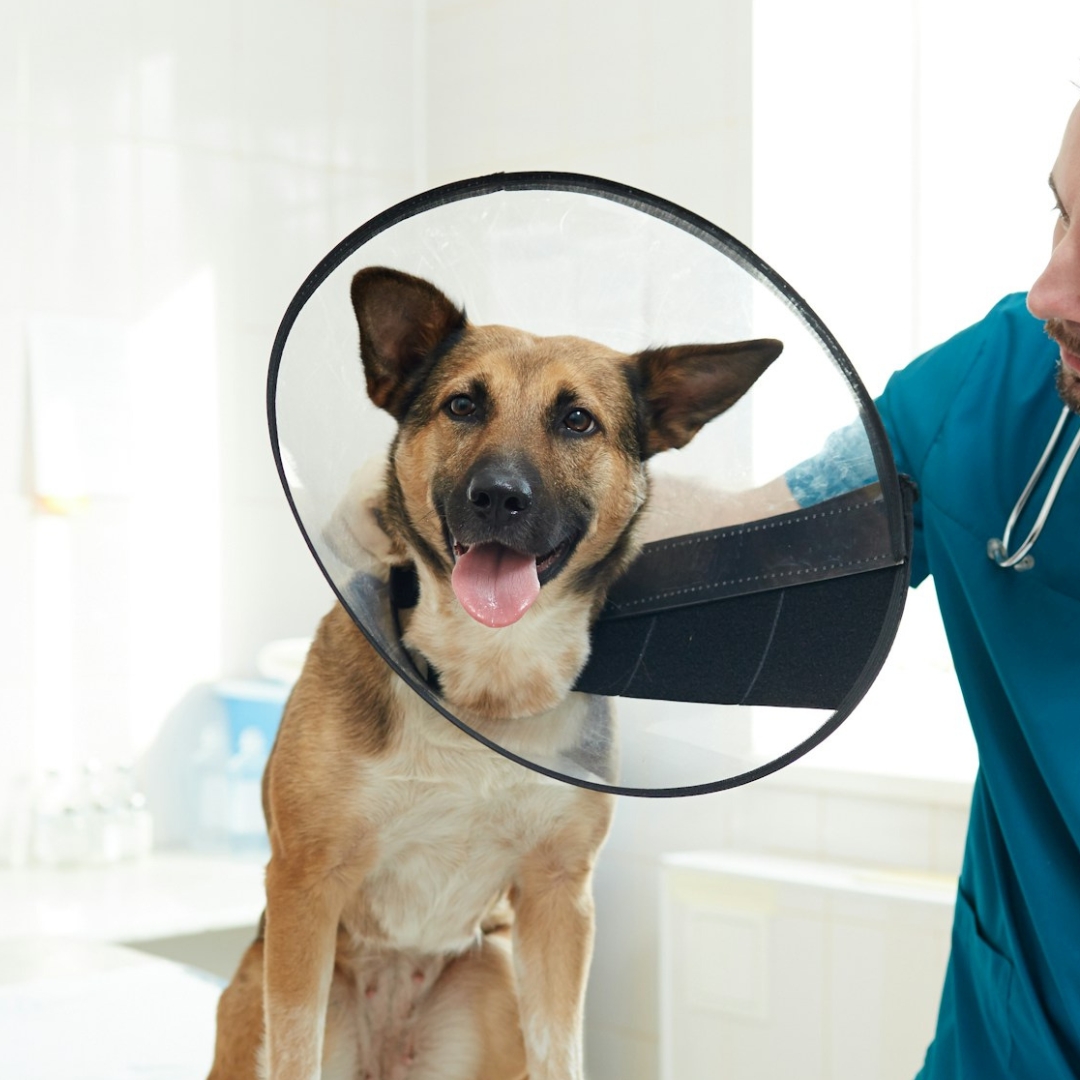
(179, 167)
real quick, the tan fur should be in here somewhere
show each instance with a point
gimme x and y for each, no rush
(407, 851)
(429, 905)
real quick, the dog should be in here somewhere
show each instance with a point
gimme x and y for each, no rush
(429, 910)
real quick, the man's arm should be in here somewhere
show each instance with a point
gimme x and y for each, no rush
(678, 506)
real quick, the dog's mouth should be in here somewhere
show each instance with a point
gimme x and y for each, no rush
(497, 584)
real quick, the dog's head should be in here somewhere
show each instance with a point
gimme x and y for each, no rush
(519, 465)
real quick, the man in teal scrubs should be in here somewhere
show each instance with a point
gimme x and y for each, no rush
(969, 422)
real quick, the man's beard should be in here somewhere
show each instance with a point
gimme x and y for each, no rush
(1068, 388)
(1068, 382)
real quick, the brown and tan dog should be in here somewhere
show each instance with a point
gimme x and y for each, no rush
(429, 909)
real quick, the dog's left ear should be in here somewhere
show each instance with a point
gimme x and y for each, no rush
(685, 386)
(402, 320)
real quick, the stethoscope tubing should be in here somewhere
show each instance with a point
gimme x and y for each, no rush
(998, 550)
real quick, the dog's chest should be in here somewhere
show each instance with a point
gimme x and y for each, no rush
(453, 821)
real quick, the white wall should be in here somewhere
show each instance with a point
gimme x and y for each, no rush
(175, 168)
(653, 95)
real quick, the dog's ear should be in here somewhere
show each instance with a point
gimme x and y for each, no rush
(402, 320)
(685, 386)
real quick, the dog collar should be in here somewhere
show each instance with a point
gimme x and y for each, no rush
(403, 585)
(734, 649)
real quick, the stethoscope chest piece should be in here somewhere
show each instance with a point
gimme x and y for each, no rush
(996, 550)
(1021, 559)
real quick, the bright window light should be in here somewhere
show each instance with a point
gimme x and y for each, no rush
(900, 185)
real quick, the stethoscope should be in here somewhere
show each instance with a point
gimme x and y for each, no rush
(998, 550)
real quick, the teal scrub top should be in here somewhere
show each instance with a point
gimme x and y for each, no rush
(968, 421)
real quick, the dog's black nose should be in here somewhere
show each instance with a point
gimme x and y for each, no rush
(499, 492)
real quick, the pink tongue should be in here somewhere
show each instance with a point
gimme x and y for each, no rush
(494, 584)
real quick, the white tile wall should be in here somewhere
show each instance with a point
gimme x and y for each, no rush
(13, 65)
(261, 603)
(283, 66)
(180, 166)
(708, 186)
(249, 473)
(654, 97)
(12, 403)
(81, 66)
(189, 199)
(15, 561)
(17, 739)
(608, 68)
(371, 88)
(622, 1052)
(876, 831)
(792, 821)
(186, 73)
(79, 247)
(833, 168)
(460, 93)
(283, 212)
(356, 197)
(948, 826)
(623, 990)
(12, 228)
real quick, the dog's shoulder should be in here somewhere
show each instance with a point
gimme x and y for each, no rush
(340, 715)
(343, 692)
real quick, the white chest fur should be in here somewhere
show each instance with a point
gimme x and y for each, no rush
(453, 820)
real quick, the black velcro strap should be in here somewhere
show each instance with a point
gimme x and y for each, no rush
(688, 629)
(849, 534)
(802, 647)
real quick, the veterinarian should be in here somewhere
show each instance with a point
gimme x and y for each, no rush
(970, 422)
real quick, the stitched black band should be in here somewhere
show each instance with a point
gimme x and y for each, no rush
(801, 642)
(845, 535)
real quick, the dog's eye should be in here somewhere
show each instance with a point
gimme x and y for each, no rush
(580, 422)
(461, 405)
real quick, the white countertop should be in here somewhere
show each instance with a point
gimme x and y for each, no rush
(927, 888)
(77, 1010)
(167, 895)
(74, 1005)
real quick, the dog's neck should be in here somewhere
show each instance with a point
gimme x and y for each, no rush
(487, 674)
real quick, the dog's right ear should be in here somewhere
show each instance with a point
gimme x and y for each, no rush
(684, 386)
(402, 320)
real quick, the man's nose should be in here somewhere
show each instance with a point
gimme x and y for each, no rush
(1056, 291)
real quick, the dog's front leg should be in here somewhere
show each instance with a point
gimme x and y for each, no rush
(553, 939)
(303, 907)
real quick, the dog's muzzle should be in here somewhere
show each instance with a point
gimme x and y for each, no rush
(506, 539)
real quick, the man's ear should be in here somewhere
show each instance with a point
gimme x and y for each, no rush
(402, 320)
(685, 386)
